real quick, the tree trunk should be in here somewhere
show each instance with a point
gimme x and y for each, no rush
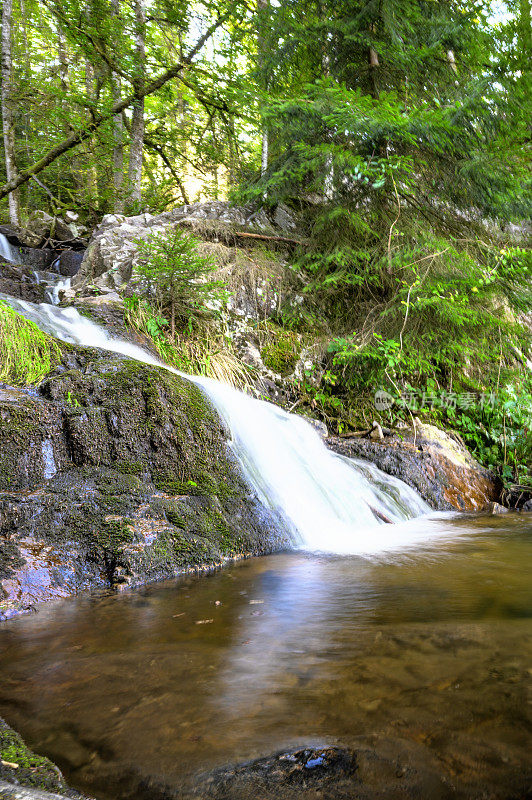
(373, 65)
(8, 120)
(137, 120)
(91, 179)
(328, 183)
(63, 59)
(524, 37)
(262, 49)
(76, 137)
(118, 134)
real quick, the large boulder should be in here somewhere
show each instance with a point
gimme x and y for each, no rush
(440, 468)
(69, 262)
(37, 258)
(42, 226)
(37, 229)
(112, 253)
(115, 473)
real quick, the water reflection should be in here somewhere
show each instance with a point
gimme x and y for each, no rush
(431, 646)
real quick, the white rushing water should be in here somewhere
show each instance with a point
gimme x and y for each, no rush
(8, 251)
(332, 504)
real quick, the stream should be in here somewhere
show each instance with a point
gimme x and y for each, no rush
(431, 648)
(412, 640)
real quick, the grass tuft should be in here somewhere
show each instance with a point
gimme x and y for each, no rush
(26, 353)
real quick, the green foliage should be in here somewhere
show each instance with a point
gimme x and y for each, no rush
(26, 353)
(500, 433)
(180, 278)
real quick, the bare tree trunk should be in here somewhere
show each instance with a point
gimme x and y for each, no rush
(63, 59)
(373, 65)
(262, 7)
(137, 120)
(524, 38)
(8, 121)
(25, 39)
(91, 186)
(118, 134)
(328, 183)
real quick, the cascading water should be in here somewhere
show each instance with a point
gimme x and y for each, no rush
(331, 503)
(8, 251)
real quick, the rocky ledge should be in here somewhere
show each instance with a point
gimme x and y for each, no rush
(438, 466)
(112, 474)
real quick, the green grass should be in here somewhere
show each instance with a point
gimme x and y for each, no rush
(26, 353)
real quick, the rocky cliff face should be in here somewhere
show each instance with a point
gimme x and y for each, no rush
(114, 473)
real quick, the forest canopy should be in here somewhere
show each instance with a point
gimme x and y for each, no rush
(354, 101)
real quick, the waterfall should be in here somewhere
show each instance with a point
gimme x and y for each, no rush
(8, 251)
(331, 503)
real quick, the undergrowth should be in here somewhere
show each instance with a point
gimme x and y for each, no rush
(199, 349)
(26, 353)
(433, 320)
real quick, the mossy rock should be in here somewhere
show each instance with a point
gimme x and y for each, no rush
(144, 485)
(281, 349)
(143, 420)
(31, 770)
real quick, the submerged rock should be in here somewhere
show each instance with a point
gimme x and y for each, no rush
(376, 767)
(440, 468)
(115, 473)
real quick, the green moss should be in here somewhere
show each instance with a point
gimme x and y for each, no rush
(281, 349)
(178, 549)
(113, 534)
(32, 770)
(26, 353)
(175, 519)
(130, 467)
(203, 484)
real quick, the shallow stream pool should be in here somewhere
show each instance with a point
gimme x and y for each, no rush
(429, 647)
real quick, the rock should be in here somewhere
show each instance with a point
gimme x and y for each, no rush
(37, 229)
(62, 231)
(70, 262)
(376, 432)
(27, 776)
(374, 767)
(37, 258)
(319, 426)
(284, 218)
(496, 508)
(116, 472)
(112, 251)
(12, 234)
(438, 467)
(42, 226)
(527, 507)
(21, 282)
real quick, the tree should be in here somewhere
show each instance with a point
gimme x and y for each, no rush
(118, 130)
(98, 119)
(8, 117)
(137, 123)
